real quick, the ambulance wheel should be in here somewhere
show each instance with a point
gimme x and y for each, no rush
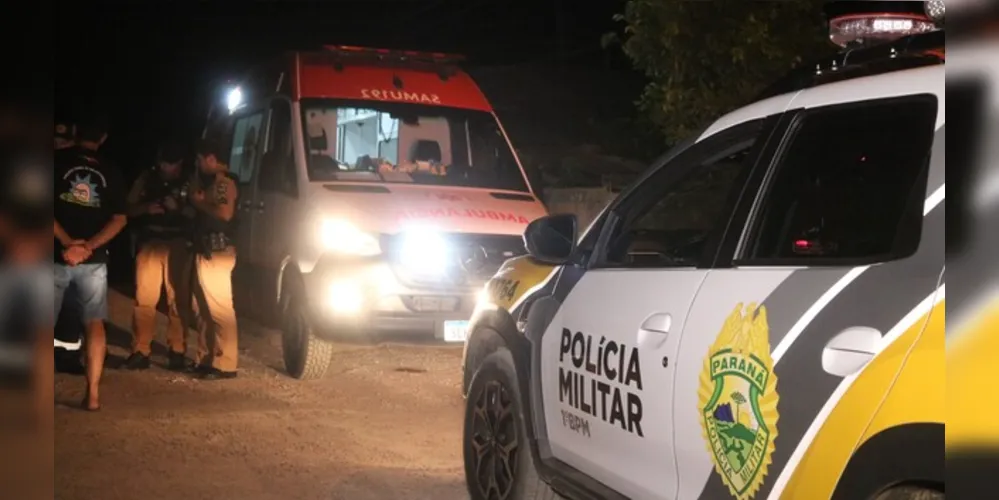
(306, 357)
(498, 462)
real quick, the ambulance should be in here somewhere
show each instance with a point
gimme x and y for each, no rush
(378, 192)
(760, 316)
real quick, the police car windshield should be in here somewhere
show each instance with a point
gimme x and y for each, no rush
(382, 142)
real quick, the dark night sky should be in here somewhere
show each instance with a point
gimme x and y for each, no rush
(153, 68)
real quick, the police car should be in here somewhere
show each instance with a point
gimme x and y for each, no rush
(760, 316)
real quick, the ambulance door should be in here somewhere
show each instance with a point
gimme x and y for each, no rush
(277, 191)
(609, 355)
(244, 160)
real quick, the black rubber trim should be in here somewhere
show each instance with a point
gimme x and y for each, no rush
(356, 188)
(512, 196)
(972, 471)
(739, 208)
(910, 453)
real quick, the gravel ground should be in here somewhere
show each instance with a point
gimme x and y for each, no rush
(384, 424)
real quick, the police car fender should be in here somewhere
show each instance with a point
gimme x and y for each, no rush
(517, 281)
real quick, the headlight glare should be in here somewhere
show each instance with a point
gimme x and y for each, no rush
(341, 236)
(426, 251)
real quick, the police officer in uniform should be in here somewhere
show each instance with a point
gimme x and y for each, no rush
(214, 197)
(163, 259)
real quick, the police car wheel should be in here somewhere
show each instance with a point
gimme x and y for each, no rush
(306, 357)
(910, 493)
(498, 463)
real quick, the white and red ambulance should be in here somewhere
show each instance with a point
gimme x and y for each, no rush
(377, 193)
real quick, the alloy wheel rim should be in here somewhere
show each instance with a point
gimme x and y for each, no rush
(494, 442)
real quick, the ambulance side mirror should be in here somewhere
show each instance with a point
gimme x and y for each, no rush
(552, 239)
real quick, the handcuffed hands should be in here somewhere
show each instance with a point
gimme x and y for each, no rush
(76, 253)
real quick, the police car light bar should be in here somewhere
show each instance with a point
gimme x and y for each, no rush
(400, 56)
(865, 29)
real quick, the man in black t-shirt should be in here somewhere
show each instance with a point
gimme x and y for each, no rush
(68, 327)
(89, 212)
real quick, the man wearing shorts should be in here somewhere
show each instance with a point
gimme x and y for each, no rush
(89, 212)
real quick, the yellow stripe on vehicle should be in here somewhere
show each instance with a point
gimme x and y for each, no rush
(516, 277)
(971, 404)
(847, 424)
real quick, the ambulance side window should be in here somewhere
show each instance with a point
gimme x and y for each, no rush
(277, 170)
(849, 188)
(244, 156)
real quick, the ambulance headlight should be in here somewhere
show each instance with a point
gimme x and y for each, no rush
(341, 236)
(424, 250)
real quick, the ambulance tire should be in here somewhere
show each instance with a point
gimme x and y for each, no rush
(306, 356)
(493, 414)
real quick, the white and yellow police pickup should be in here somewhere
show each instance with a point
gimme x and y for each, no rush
(760, 316)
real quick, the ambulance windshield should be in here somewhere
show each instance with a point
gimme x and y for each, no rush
(373, 141)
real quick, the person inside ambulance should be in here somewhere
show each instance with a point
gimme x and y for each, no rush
(318, 144)
(425, 158)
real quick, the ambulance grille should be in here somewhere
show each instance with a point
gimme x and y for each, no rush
(475, 258)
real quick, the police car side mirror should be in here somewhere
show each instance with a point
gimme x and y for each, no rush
(552, 239)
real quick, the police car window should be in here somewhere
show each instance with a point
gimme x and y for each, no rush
(850, 185)
(673, 229)
(245, 153)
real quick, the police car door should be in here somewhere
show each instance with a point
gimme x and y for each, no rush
(244, 159)
(832, 247)
(609, 354)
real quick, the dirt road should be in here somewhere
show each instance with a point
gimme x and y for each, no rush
(384, 424)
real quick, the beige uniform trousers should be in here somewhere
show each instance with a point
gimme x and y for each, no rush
(162, 264)
(218, 333)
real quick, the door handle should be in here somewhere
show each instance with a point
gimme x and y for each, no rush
(850, 350)
(260, 206)
(655, 330)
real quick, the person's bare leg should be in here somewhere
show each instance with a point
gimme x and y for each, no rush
(96, 350)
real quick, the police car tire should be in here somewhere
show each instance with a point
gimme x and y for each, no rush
(306, 357)
(910, 493)
(527, 483)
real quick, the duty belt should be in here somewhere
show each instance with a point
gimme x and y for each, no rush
(149, 233)
(214, 242)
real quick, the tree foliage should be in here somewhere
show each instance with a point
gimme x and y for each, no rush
(705, 58)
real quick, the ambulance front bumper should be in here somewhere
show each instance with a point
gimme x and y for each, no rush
(371, 297)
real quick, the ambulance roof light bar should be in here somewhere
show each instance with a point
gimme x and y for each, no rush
(398, 56)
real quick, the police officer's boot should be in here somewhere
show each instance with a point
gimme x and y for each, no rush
(137, 361)
(178, 362)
